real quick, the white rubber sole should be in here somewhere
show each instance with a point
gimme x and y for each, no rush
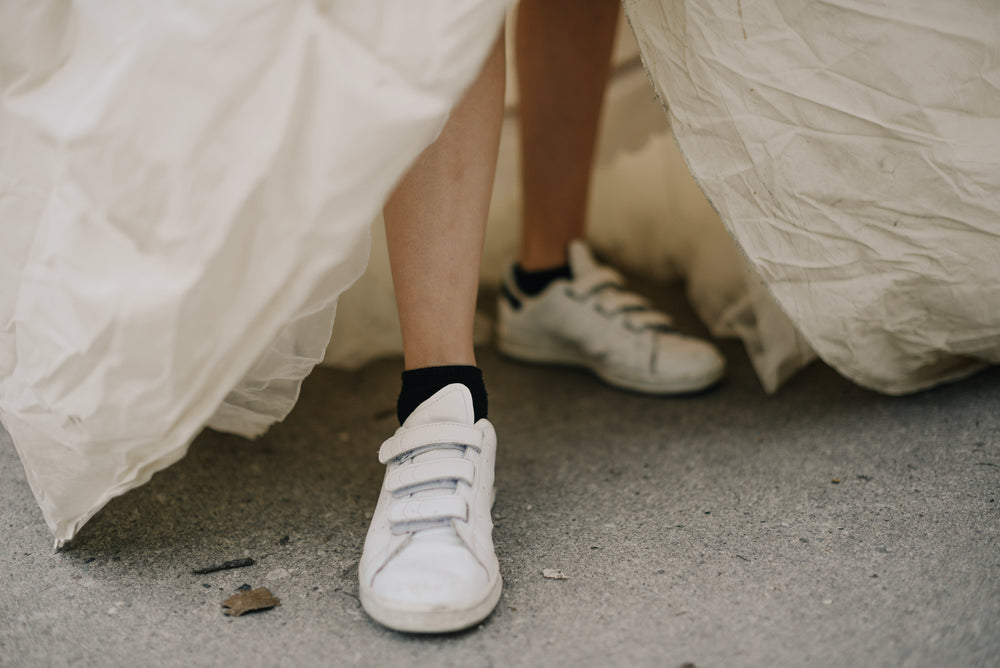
(535, 352)
(429, 618)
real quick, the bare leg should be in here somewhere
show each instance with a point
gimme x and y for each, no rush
(563, 61)
(435, 223)
(443, 576)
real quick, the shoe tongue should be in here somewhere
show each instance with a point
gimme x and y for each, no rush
(581, 260)
(452, 403)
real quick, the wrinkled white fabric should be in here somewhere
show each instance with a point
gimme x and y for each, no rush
(185, 189)
(853, 151)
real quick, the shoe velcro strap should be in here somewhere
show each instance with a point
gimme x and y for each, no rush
(437, 433)
(649, 320)
(639, 313)
(427, 510)
(438, 470)
(597, 279)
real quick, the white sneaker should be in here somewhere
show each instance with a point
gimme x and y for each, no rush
(428, 565)
(591, 321)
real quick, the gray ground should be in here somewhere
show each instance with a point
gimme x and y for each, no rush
(823, 526)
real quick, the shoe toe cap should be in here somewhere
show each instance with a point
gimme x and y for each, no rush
(435, 576)
(690, 358)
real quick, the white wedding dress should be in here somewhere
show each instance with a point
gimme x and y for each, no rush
(185, 190)
(852, 149)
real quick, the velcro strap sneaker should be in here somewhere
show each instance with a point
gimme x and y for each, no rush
(428, 564)
(591, 321)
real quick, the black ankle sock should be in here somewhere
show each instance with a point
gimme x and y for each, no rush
(421, 384)
(532, 283)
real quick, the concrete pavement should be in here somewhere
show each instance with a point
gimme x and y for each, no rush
(824, 526)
